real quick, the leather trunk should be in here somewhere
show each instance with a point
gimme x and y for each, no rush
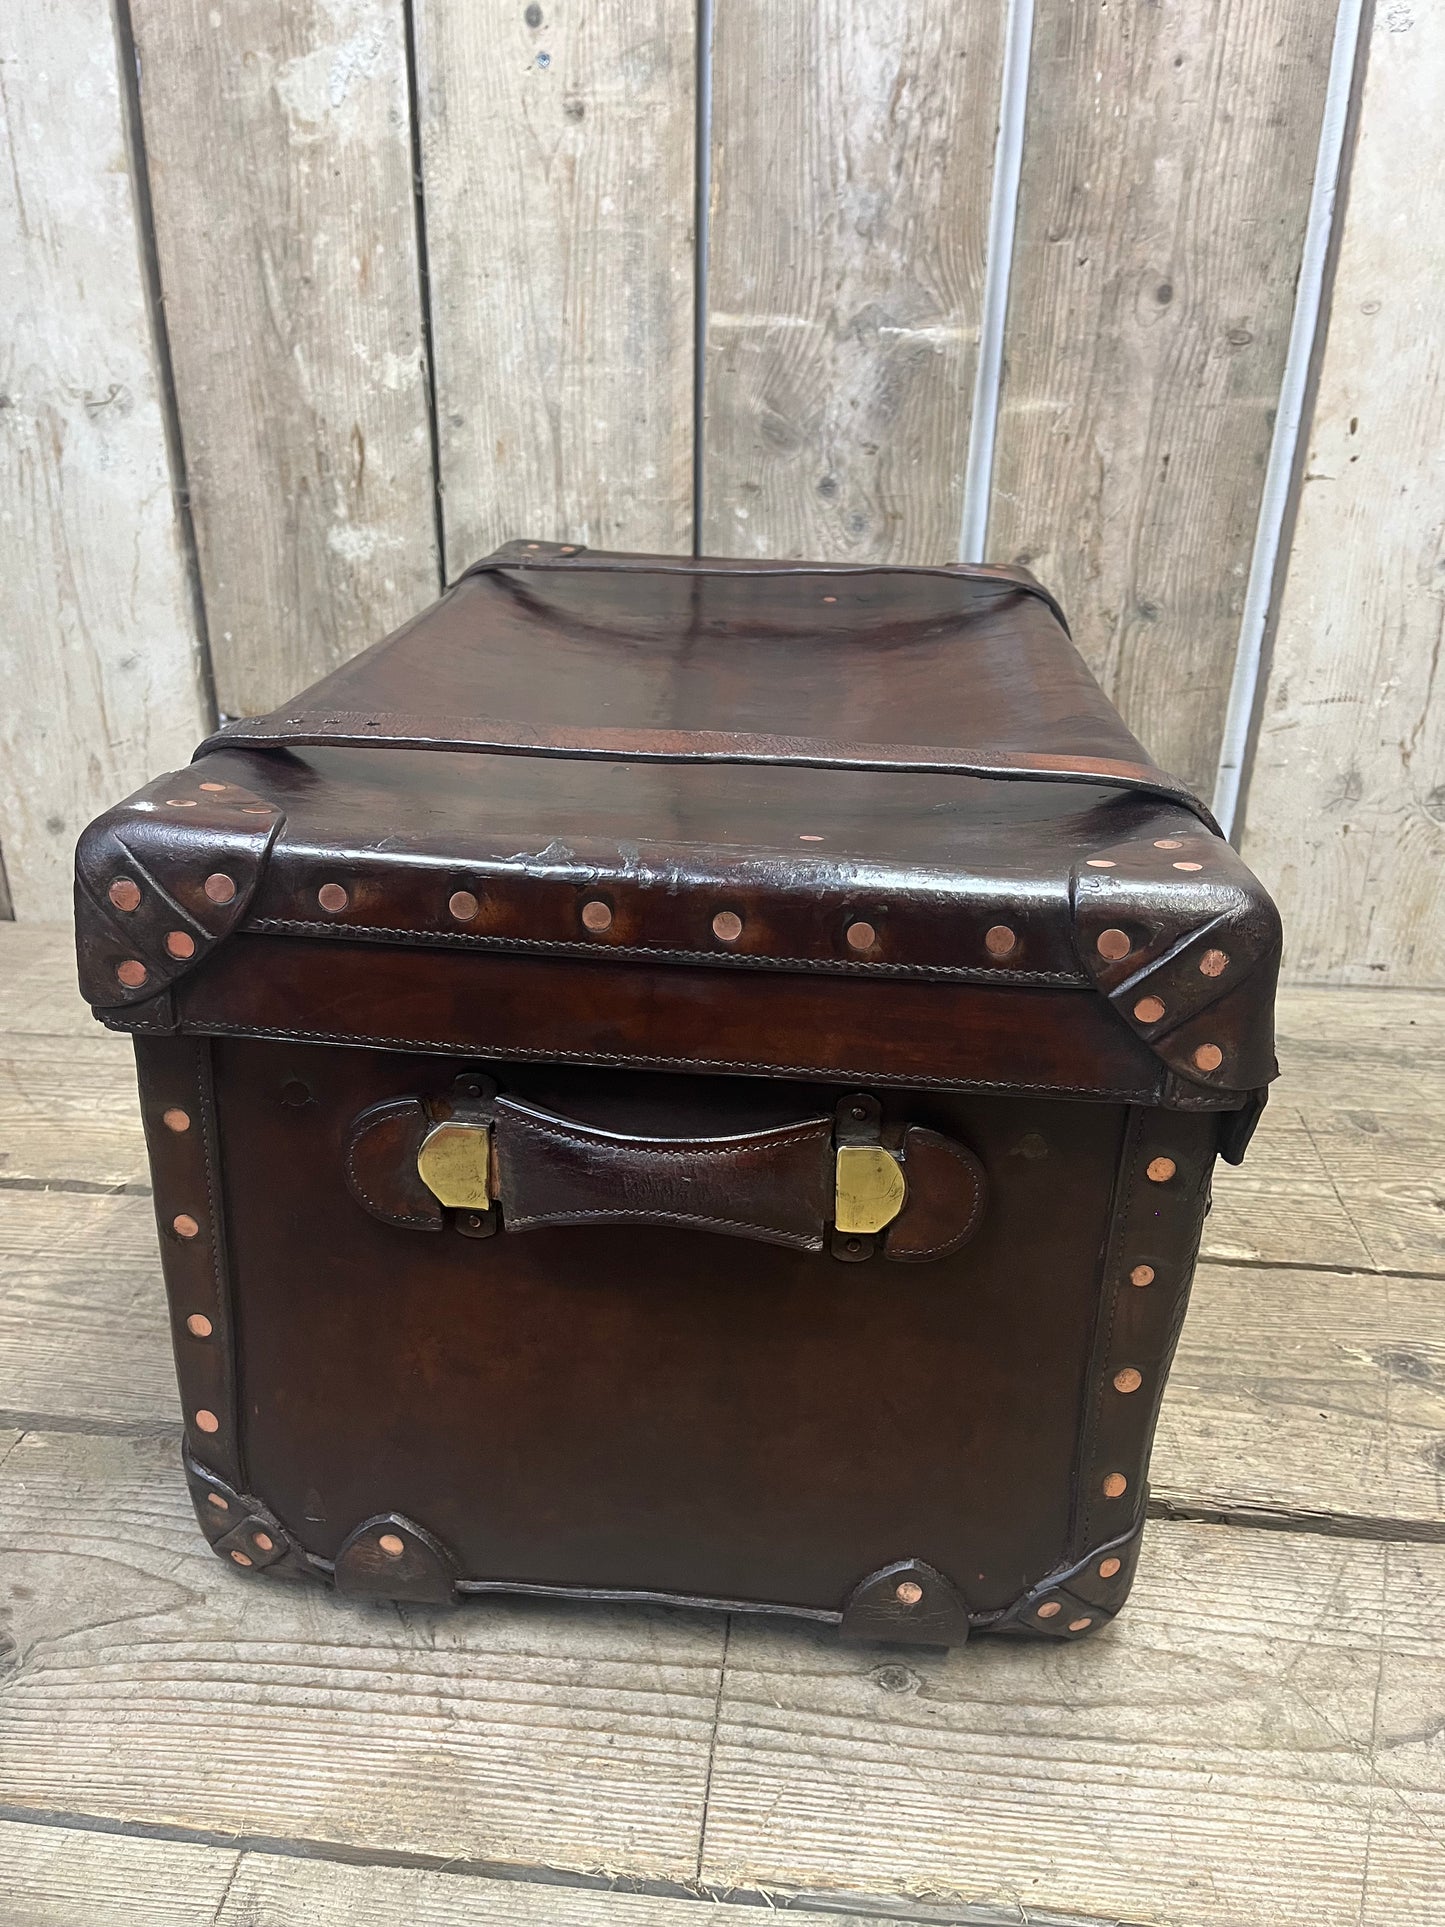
(689, 1081)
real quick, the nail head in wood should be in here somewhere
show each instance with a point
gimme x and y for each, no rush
(220, 888)
(597, 915)
(999, 941)
(124, 894)
(1160, 1170)
(331, 896)
(1114, 944)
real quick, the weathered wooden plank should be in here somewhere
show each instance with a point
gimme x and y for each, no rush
(1161, 217)
(84, 1332)
(1345, 814)
(558, 160)
(852, 155)
(68, 1111)
(1307, 1392)
(153, 1679)
(1232, 1752)
(278, 140)
(59, 1875)
(98, 650)
(37, 962)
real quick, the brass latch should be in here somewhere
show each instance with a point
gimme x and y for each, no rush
(870, 1189)
(455, 1165)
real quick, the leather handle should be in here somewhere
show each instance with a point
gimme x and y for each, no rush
(507, 1165)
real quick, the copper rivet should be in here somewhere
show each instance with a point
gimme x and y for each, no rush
(1128, 1380)
(908, 1593)
(1080, 1625)
(1142, 1275)
(179, 944)
(391, 1545)
(568, 548)
(124, 894)
(1209, 1057)
(596, 915)
(1167, 843)
(1189, 866)
(215, 1499)
(331, 896)
(810, 839)
(1160, 1170)
(1149, 1009)
(1115, 1485)
(861, 936)
(132, 973)
(240, 1559)
(463, 905)
(1214, 963)
(215, 786)
(999, 941)
(1101, 863)
(184, 1225)
(207, 1421)
(176, 1119)
(1108, 1567)
(180, 802)
(255, 809)
(1050, 1609)
(262, 1541)
(727, 926)
(219, 887)
(534, 545)
(830, 598)
(198, 1325)
(1113, 943)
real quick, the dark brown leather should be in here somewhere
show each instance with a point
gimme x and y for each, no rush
(774, 1184)
(770, 1185)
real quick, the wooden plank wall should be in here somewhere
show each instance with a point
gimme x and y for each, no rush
(430, 275)
(1346, 809)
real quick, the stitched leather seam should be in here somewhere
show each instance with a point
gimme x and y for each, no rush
(808, 1073)
(230, 1443)
(1134, 1150)
(804, 1241)
(458, 940)
(372, 1204)
(959, 1156)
